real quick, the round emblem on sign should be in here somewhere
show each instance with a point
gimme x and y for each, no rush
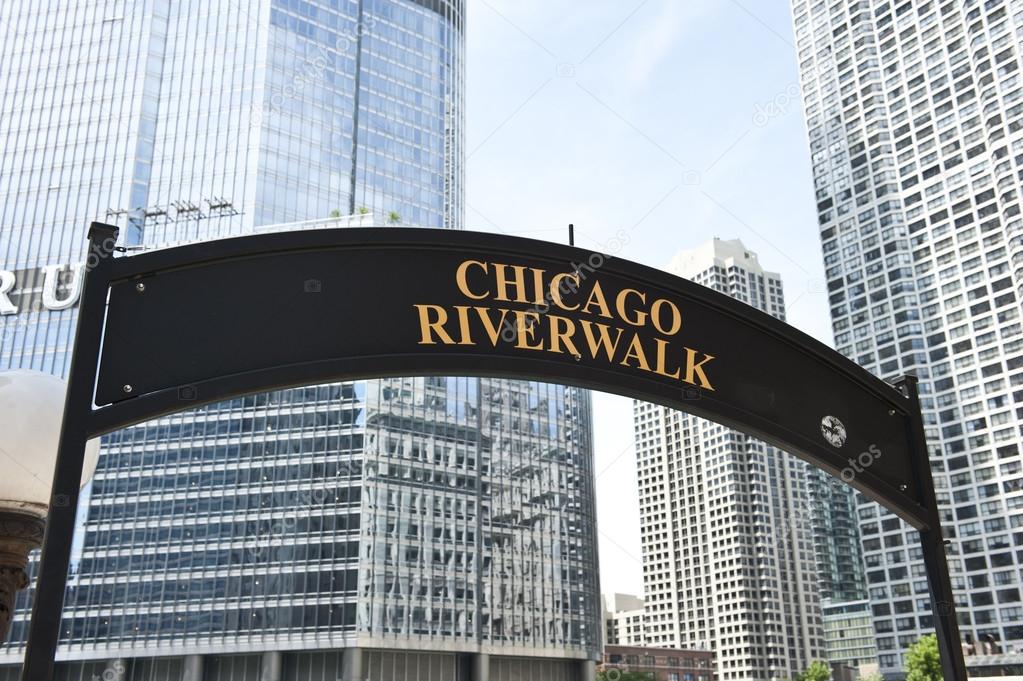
(833, 431)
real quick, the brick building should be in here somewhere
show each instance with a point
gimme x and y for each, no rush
(666, 664)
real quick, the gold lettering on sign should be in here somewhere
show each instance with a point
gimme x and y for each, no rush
(556, 284)
(493, 330)
(464, 334)
(621, 305)
(662, 360)
(676, 317)
(635, 351)
(526, 329)
(694, 369)
(517, 282)
(562, 330)
(597, 298)
(428, 328)
(461, 277)
(570, 313)
(604, 342)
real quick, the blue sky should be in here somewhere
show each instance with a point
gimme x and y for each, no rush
(669, 121)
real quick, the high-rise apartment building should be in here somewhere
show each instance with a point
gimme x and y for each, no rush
(849, 636)
(624, 621)
(728, 559)
(392, 529)
(914, 112)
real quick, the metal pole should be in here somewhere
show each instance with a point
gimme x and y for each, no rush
(571, 234)
(943, 609)
(48, 603)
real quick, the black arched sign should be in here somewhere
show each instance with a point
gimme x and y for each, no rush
(171, 329)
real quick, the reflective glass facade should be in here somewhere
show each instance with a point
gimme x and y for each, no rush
(849, 633)
(443, 515)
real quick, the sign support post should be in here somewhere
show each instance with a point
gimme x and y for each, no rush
(946, 626)
(48, 602)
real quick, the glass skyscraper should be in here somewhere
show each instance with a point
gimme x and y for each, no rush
(831, 513)
(915, 120)
(422, 528)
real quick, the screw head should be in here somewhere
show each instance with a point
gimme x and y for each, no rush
(140, 287)
(127, 388)
(891, 412)
(903, 488)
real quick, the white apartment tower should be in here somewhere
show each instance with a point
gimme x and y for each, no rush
(624, 620)
(915, 120)
(728, 557)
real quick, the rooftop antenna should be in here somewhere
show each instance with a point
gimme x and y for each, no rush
(571, 234)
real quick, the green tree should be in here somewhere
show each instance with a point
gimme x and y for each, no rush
(923, 662)
(363, 210)
(394, 218)
(817, 671)
(335, 213)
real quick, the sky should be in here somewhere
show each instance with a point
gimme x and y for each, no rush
(654, 124)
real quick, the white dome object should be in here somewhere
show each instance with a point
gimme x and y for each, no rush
(31, 410)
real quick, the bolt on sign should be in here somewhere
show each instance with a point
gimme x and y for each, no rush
(171, 329)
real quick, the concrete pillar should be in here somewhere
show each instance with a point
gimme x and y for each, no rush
(351, 664)
(587, 670)
(193, 668)
(480, 667)
(271, 667)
